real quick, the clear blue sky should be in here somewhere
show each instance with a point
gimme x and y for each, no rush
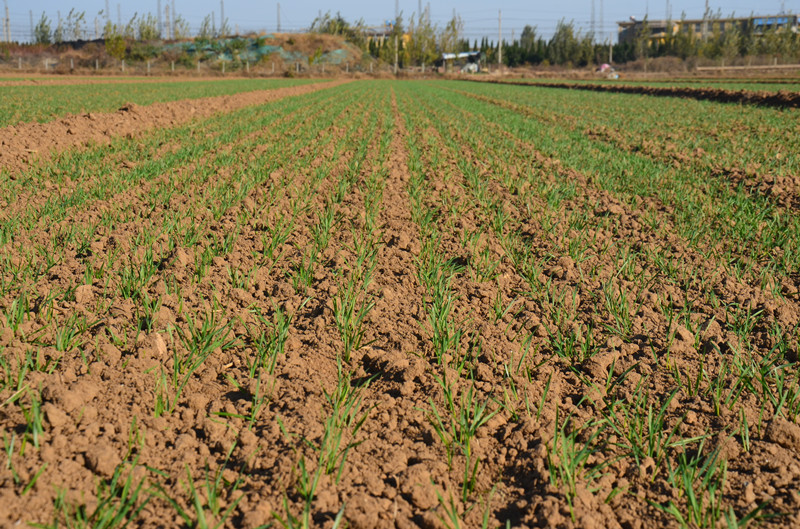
(480, 17)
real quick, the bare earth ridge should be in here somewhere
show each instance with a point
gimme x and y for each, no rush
(22, 144)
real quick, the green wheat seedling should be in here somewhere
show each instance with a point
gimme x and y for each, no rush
(223, 244)
(303, 276)
(512, 395)
(458, 425)
(452, 518)
(568, 457)
(8, 448)
(342, 424)
(743, 322)
(779, 384)
(566, 344)
(214, 487)
(135, 276)
(119, 503)
(67, 335)
(723, 393)
(700, 480)
(240, 278)
(200, 341)
(276, 236)
(484, 264)
(6, 377)
(207, 502)
(17, 311)
(146, 312)
(306, 487)
(321, 231)
(259, 399)
(202, 263)
(436, 275)
(34, 419)
(351, 305)
(163, 404)
(203, 338)
(620, 308)
(644, 429)
(269, 339)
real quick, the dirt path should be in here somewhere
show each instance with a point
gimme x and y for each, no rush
(23, 144)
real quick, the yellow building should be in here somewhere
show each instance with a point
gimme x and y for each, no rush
(658, 30)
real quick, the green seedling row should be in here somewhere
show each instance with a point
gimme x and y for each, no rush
(23, 104)
(435, 303)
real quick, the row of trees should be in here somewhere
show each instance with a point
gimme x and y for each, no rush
(734, 40)
(139, 28)
(421, 42)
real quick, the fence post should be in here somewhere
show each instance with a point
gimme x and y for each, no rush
(173, 66)
(273, 67)
(223, 67)
(71, 64)
(19, 63)
(96, 65)
(123, 65)
(148, 67)
(198, 65)
(247, 66)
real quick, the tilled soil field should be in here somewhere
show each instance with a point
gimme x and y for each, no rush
(405, 304)
(779, 99)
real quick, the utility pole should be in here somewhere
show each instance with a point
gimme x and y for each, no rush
(172, 18)
(96, 29)
(161, 31)
(222, 18)
(167, 26)
(8, 25)
(396, 54)
(602, 36)
(279, 17)
(499, 39)
(705, 22)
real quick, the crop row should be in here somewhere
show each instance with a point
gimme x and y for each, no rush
(430, 303)
(23, 104)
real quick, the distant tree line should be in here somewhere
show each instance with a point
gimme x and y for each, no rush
(737, 41)
(423, 43)
(420, 42)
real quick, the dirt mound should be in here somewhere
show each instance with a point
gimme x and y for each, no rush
(21, 144)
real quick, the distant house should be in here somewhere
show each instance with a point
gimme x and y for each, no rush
(629, 30)
(380, 33)
(467, 61)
